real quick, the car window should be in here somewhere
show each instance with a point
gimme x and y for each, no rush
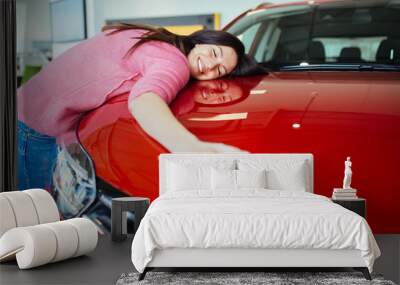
(335, 47)
(335, 34)
(247, 37)
(260, 31)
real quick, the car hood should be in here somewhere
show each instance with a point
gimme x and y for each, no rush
(329, 114)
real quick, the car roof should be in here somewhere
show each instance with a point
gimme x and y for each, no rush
(320, 3)
(338, 3)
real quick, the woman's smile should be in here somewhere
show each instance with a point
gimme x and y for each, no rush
(208, 61)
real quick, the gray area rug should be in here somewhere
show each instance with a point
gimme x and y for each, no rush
(244, 278)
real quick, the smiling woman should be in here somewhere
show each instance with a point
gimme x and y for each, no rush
(209, 55)
(150, 63)
(211, 61)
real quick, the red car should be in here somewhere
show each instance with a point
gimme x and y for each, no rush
(333, 91)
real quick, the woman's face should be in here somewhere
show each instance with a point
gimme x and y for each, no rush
(211, 61)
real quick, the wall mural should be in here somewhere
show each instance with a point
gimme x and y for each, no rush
(87, 156)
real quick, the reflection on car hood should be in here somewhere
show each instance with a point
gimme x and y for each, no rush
(330, 114)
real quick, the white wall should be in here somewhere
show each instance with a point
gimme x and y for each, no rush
(36, 21)
(21, 26)
(37, 16)
(115, 9)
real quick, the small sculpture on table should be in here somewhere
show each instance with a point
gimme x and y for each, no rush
(347, 174)
(347, 192)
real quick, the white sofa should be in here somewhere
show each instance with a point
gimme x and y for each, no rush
(31, 231)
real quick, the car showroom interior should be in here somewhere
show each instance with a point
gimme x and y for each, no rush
(200, 142)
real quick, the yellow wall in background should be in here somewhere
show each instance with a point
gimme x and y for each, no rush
(188, 29)
(217, 21)
(184, 30)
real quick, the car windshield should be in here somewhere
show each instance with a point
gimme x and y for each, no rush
(333, 35)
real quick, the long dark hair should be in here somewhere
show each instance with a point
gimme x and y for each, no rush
(245, 66)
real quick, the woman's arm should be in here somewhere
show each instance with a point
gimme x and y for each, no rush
(157, 120)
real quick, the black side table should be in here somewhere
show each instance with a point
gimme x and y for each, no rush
(119, 209)
(356, 205)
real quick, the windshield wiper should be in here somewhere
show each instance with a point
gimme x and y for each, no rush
(350, 67)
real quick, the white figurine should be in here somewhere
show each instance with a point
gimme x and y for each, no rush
(347, 174)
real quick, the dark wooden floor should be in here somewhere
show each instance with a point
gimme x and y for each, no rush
(103, 266)
(110, 260)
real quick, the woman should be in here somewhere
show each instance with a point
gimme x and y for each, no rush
(150, 63)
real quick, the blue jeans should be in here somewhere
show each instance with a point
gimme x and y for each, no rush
(43, 164)
(36, 157)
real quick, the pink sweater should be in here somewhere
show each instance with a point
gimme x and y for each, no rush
(89, 74)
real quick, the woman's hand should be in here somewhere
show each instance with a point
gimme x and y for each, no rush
(157, 120)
